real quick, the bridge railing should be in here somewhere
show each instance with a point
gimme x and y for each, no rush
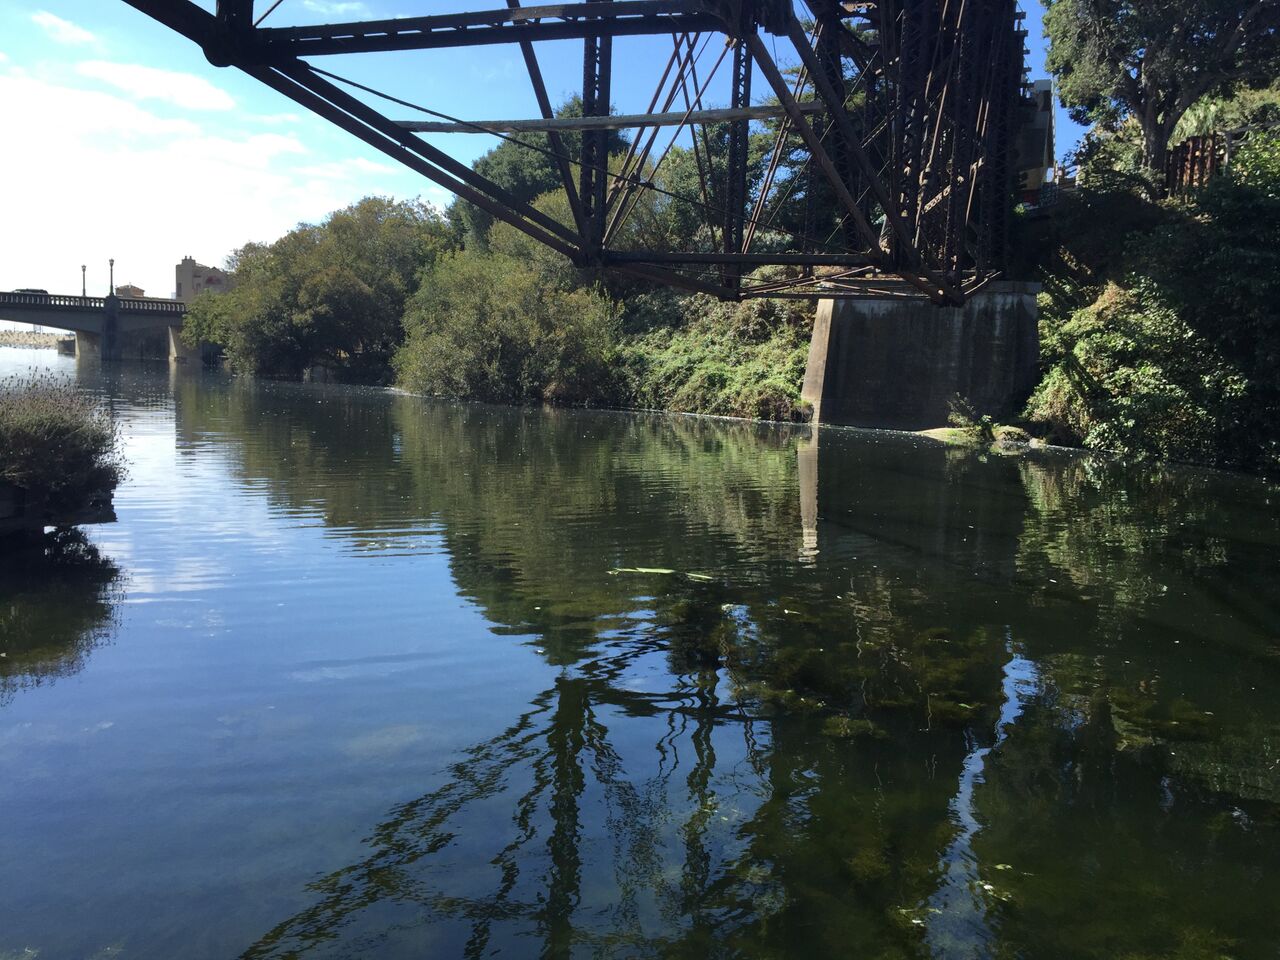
(51, 300)
(58, 301)
(175, 307)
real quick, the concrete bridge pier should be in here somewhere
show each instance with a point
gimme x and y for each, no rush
(179, 352)
(897, 363)
(110, 349)
(88, 346)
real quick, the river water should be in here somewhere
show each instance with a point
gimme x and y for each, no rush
(358, 674)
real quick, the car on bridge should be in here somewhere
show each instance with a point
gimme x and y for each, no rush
(31, 290)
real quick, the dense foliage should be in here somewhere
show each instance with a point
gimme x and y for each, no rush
(331, 295)
(1161, 323)
(727, 359)
(489, 327)
(60, 446)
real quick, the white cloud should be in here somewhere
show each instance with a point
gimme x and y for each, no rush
(4, 57)
(62, 31)
(332, 8)
(185, 90)
(343, 169)
(437, 196)
(274, 119)
(102, 176)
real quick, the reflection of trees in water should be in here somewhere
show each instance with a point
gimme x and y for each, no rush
(1106, 849)
(1160, 570)
(831, 712)
(1122, 537)
(57, 602)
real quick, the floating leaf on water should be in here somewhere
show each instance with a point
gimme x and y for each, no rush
(662, 570)
(1004, 866)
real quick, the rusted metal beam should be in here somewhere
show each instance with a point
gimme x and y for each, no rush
(311, 91)
(235, 15)
(623, 186)
(735, 203)
(553, 137)
(748, 259)
(615, 121)
(567, 21)
(869, 235)
(920, 132)
(597, 71)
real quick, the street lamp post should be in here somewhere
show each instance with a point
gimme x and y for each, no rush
(111, 282)
(83, 289)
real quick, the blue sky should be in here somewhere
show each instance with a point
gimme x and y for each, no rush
(124, 142)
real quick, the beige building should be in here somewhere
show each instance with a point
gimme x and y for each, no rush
(129, 291)
(194, 279)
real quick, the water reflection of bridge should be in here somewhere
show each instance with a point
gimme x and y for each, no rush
(110, 327)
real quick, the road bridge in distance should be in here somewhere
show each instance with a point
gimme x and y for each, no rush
(110, 327)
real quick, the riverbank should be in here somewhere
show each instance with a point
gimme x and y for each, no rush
(1157, 321)
(29, 339)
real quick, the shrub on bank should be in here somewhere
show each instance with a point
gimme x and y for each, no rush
(1161, 333)
(58, 445)
(485, 326)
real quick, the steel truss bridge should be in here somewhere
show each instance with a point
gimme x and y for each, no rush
(902, 113)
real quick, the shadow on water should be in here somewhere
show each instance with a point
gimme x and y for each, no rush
(844, 695)
(58, 599)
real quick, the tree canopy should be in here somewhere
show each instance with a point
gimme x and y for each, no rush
(332, 294)
(1151, 60)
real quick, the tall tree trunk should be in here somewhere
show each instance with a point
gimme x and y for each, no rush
(1155, 141)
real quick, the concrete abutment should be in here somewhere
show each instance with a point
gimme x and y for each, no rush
(897, 363)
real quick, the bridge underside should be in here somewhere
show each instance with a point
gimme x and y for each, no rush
(92, 324)
(890, 124)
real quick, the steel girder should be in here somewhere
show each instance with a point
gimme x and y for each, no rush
(895, 132)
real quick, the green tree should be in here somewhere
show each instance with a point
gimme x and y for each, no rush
(332, 294)
(1150, 60)
(488, 326)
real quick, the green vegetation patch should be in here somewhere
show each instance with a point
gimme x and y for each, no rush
(59, 446)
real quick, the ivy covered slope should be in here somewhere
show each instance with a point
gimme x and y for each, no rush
(1160, 321)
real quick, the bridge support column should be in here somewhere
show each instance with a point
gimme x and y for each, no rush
(897, 363)
(179, 352)
(111, 328)
(88, 346)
